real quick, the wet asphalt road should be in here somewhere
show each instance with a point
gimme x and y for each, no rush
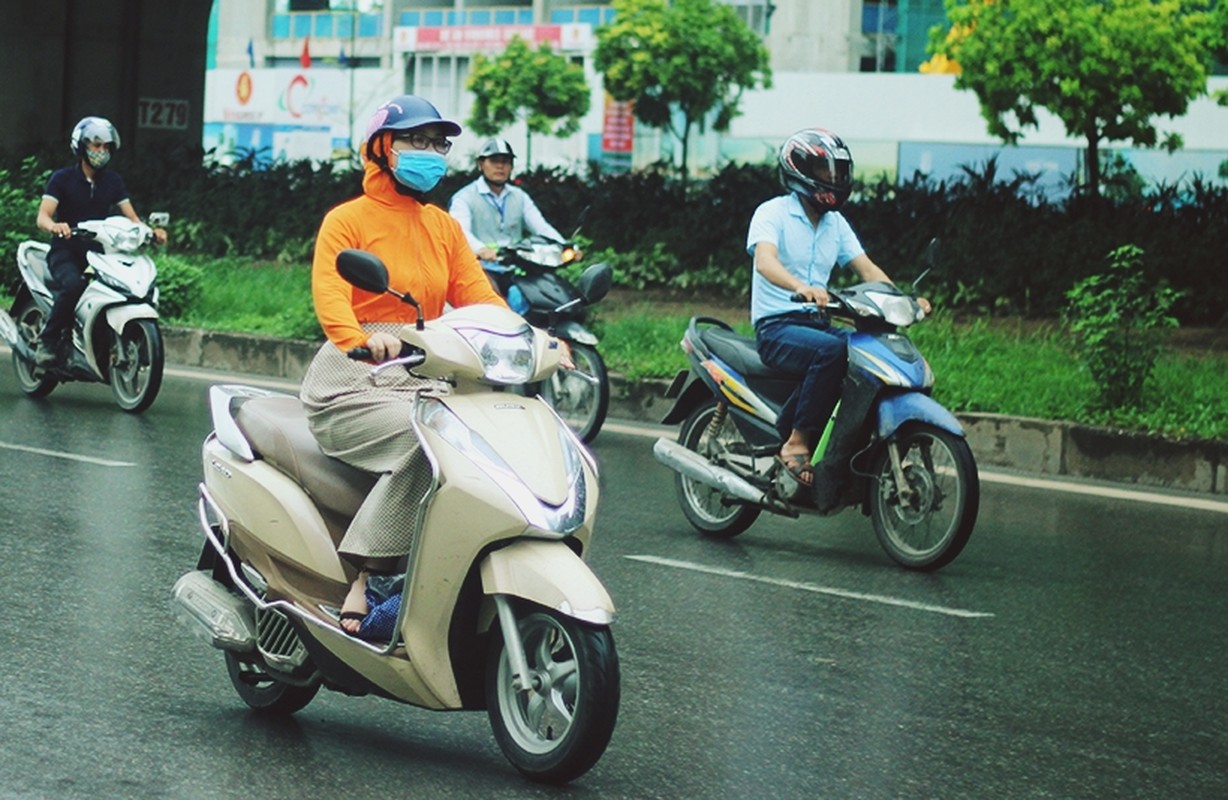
(1076, 649)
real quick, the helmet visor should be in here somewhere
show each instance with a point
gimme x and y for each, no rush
(827, 169)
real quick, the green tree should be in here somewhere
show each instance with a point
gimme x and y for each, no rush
(1105, 68)
(693, 57)
(541, 87)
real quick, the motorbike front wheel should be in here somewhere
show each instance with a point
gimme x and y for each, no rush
(33, 381)
(137, 358)
(556, 729)
(264, 693)
(580, 396)
(711, 511)
(925, 526)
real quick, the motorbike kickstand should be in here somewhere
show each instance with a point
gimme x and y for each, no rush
(521, 679)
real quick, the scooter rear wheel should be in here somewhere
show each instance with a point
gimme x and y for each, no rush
(137, 359)
(263, 692)
(556, 730)
(712, 512)
(33, 381)
(926, 527)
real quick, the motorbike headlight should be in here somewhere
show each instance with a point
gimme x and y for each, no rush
(507, 358)
(127, 240)
(897, 309)
(549, 255)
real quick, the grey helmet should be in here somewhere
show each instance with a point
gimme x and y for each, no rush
(496, 147)
(93, 129)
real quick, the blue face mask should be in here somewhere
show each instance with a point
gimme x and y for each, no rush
(419, 169)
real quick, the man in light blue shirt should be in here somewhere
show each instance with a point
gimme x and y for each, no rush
(796, 240)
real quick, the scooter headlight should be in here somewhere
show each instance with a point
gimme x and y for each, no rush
(507, 358)
(127, 240)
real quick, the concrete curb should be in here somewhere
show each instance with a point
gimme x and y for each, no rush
(1041, 447)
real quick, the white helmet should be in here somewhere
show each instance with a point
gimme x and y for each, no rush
(93, 129)
(496, 147)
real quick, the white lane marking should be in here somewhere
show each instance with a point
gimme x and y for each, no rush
(102, 462)
(1107, 492)
(810, 587)
(240, 378)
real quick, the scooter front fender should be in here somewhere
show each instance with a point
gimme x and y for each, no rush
(573, 331)
(119, 316)
(897, 409)
(551, 575)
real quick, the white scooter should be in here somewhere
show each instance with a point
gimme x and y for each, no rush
(115, 334)
(496, 609)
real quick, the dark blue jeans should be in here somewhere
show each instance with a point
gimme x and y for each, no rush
(67, 268)
(805, 345)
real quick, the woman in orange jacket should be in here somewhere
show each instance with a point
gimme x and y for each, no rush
(366, 424)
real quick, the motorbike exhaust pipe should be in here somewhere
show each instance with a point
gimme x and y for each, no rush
(8, 329)
(223, 619)
(687, 462)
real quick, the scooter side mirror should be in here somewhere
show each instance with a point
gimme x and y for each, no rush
(367, 272)
(595, 282)
(363, 270)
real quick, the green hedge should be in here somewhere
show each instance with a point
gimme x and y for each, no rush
(1004, 250)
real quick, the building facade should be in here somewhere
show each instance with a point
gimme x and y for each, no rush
(298, 79)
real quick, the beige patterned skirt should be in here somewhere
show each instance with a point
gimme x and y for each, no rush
(365, 421)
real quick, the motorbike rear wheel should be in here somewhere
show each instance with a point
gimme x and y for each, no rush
(263, 692)
(137, 359)
(929, 527)
(556, 730)
(709, 510)
(33, 380)
(583, 404)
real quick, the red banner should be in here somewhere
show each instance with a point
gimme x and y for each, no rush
(617, 127)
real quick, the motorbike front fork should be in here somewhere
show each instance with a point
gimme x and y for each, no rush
(522, 679)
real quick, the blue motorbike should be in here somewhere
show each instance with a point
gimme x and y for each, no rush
(889, 448)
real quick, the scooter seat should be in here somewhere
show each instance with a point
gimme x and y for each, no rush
(739, 352)
(276, 428)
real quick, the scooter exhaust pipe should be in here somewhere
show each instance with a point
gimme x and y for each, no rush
(223, 619)
(8, 329)
(680, 459)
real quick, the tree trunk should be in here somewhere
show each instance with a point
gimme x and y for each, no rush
(686, 139)
(1092, 162)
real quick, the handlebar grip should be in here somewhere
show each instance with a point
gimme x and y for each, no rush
(359, 354)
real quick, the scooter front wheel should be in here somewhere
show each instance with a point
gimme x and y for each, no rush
(925, 523)
(264, 693)
(557, 728)
(580, 396)
(137, 359)
(34, 382)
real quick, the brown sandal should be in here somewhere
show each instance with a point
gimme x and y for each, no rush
(799, 467)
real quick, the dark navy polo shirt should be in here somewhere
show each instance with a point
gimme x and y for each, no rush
(80, 199)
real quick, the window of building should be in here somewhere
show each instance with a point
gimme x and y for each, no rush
(879, 21)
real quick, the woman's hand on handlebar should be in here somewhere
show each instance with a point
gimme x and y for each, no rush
(383, 346)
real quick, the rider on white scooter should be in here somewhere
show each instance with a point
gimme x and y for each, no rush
(84, 191)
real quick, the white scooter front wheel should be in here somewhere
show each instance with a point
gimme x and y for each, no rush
(137, 360)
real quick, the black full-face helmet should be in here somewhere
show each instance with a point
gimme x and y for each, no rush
(817, 165)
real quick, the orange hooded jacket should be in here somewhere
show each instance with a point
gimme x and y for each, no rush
(423, 247)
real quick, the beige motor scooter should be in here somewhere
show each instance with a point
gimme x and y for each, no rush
(498, 608)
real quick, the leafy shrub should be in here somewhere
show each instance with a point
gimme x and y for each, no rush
(1117, 318)
(179, 284)
(20, 194)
